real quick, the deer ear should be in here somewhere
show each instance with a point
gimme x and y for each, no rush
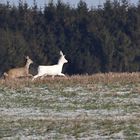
(27, 57)
(61, 53)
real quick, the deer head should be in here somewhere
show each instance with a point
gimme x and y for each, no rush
(62, 58)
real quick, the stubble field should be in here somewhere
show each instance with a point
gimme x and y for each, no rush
(100, 106)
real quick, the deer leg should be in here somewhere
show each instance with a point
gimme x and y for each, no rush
(61, 74)
(30, 75)
(42, 77)
(36, 76)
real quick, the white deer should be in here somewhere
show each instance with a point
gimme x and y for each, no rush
(52, 70)
(19, 72)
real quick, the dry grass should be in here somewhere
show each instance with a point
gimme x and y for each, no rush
(106, 78)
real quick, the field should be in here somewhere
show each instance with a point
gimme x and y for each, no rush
(100, 106)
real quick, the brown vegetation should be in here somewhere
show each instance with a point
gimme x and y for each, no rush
(83, 80)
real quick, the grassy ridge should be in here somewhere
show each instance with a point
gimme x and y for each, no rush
(107, 78)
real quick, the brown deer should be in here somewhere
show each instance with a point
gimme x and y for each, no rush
(19, 72)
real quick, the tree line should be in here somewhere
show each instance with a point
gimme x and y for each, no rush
(103, 39)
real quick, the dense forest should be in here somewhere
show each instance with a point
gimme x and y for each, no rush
(103, 39)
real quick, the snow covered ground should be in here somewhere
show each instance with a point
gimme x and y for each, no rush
(98, 111)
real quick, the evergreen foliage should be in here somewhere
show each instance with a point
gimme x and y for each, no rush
(94, 40)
